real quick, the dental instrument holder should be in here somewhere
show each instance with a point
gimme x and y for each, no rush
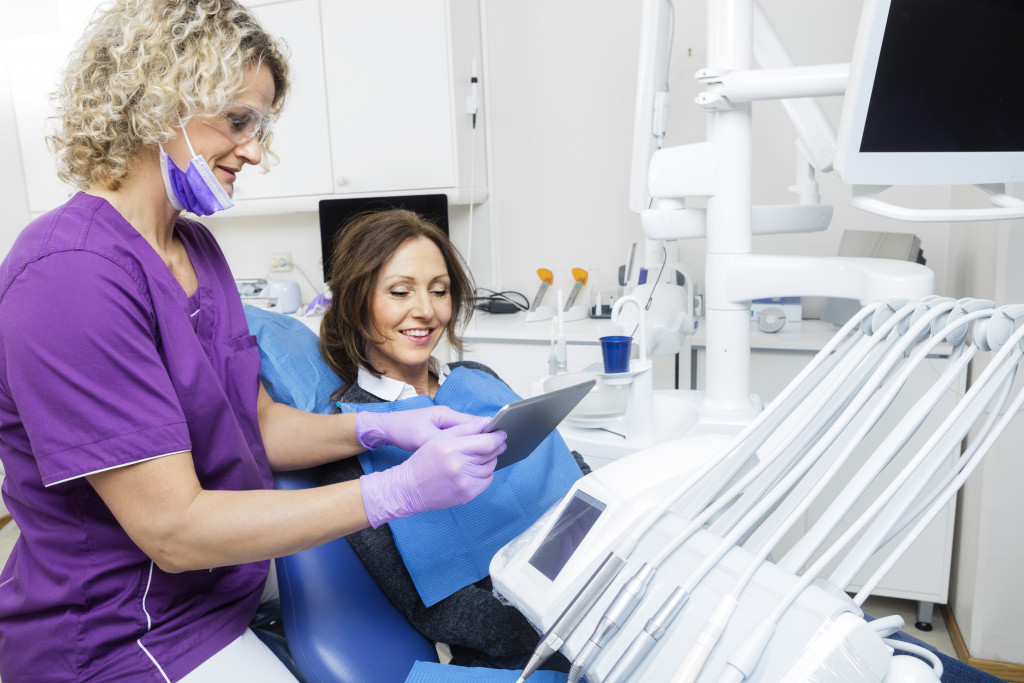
(546, 312)
(577, 312)
(543, 312)
(639, 418)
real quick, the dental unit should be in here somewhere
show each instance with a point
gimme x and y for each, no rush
(686, 589)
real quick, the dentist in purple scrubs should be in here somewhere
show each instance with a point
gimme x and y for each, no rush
(137, 440)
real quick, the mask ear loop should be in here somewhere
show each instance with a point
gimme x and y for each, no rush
(188, 142)
(181, 124)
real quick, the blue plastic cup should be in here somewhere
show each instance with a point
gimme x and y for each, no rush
(615, 353)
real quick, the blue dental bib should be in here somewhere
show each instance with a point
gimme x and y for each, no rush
(445, 550)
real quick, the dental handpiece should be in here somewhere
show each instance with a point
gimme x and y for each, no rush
(656, 627)
(574, 613)
(621, 607)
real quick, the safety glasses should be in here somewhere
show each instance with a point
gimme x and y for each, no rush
(241, 123)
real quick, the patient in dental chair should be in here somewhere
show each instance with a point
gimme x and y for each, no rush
(399, 288)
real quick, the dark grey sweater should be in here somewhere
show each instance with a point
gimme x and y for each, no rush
(477, 626)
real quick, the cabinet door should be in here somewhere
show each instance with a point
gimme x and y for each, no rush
(301, 136)
(387, 68)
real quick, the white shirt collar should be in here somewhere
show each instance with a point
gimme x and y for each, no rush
(388, 389)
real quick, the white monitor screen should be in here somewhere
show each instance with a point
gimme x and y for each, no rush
(935, 94)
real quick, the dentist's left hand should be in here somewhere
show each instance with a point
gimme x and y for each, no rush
(448, 470)
(409, 429)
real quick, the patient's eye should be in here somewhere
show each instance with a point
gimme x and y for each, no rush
(399, 292)
(439, 292)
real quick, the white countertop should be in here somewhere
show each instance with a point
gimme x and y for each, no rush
(801, 335)
(513, 327)
(805, 335)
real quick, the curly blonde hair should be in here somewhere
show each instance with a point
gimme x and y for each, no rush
(143, 63)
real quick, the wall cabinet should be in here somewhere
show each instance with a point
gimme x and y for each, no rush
(377, 106)
(378, 103)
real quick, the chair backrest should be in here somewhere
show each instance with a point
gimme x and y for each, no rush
(338, 623)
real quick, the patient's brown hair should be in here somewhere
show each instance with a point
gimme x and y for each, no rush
(362, 248)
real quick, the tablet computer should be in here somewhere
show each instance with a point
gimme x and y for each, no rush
(528, 422)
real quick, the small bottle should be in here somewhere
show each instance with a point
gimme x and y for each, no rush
(561, 360)
(552, 362)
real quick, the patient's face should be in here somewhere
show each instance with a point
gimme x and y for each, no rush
(411, 307)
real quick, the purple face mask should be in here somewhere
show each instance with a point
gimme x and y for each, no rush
(195, 189)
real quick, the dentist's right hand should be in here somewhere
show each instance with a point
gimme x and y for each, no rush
(452, 468)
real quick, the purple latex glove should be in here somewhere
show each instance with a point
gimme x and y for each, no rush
(451, 469)
(408, 429)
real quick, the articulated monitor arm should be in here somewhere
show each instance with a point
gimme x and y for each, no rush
(1006, 207)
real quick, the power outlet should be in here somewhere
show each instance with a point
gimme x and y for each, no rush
(281, 262)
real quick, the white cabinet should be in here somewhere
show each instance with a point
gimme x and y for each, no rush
(378, 103)
(398, 89)
(301, 136)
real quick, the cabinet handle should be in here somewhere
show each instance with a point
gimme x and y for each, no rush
(341, 180)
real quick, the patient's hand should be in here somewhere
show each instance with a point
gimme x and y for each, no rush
(409, 429)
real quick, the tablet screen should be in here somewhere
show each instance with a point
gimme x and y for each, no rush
(528, 422)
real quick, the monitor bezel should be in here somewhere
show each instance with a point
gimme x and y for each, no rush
(334, 213)
(903, 168)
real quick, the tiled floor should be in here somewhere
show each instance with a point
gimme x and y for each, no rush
(938, 637)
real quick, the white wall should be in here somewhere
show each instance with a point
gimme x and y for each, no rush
(561, 88)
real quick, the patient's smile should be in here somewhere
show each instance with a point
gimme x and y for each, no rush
(419, 336)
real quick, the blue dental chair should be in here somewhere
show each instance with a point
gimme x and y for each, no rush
(338, 624)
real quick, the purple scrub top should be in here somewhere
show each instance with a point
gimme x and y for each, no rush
(104, 362)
